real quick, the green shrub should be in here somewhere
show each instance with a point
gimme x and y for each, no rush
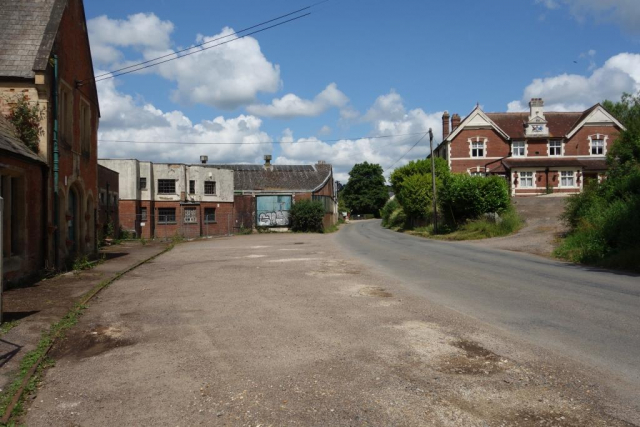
(463, 197)
(397, 219)
(387, 210)
(416, 195)
(307, 215)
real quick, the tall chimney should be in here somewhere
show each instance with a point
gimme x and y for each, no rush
(445, 124)
(455, 122)
(267, 161)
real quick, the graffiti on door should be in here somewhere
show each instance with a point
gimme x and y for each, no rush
(273, 211)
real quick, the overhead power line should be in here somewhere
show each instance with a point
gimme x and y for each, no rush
(171, 56)
(237, 33)
(405, 154)
(261, 142)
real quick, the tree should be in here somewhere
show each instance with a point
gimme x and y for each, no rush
(366, 192)
(625, 152)
(26, 119)
(418, 167)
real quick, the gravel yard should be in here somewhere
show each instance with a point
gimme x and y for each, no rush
(288, 329)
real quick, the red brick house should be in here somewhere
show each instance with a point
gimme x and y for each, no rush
(45, 58)
(536, 152)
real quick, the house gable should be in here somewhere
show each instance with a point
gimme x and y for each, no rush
(597, 117)
(476, 120)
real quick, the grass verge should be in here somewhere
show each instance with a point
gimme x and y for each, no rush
(482, 228)
(35, 362)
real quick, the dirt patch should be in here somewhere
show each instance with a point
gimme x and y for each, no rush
(476, 360)
(537, 419)
(373, 291)
(90, 343)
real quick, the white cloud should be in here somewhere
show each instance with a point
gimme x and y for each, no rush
(573, 92)
(225, 76)
(387, 116)
(325, 130)
(623, 12)
(142, 30)
(126, 119)
(290, 105)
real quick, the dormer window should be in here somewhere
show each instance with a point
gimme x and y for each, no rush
(518, 149)
(555, 148)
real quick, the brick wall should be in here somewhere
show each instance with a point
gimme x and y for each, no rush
(29, 257)
(578, 145)
(496, 147)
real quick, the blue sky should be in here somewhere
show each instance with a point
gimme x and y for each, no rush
(352, 68)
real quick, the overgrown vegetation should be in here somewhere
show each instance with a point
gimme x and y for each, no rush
(463, 197)
(307, 215)
(603, 219)
(26, 118)
(468, 207)
(366, 191)
(480, 228)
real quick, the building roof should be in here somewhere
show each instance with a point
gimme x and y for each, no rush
(10, 142)
(279, 177)
(560, 124)
(28, 29)
(587, 164)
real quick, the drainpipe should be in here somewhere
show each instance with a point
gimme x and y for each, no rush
(56, 168)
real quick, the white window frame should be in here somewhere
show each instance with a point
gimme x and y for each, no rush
(598, 137)
(521, 179)
(573, 177)
(523, 148)
(478, 140)
(549, 148)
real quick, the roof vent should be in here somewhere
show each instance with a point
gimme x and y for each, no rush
(204, 159)
(267, 159)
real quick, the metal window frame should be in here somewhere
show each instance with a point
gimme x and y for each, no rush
(206, 217)
(164, 181)
(214, 188)
(166, 221)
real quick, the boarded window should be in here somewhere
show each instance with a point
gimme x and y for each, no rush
(166, 186)
(273, 211)
(209, 215)
(190, 216)
(210, 187)
(143, 214)
(166, 215)
(85, 127)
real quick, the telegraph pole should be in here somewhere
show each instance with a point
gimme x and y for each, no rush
(433, 184)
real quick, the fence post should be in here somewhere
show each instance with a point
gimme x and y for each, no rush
(1, 255)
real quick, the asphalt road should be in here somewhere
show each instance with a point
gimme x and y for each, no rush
(587, 314)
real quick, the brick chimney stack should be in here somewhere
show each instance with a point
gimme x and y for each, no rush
(445, 124)
(455, 122)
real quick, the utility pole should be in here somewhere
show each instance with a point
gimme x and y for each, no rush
(433, 184)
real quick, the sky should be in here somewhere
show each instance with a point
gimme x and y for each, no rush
(355, 81)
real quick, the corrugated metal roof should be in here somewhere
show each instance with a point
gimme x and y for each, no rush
(278, 177)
